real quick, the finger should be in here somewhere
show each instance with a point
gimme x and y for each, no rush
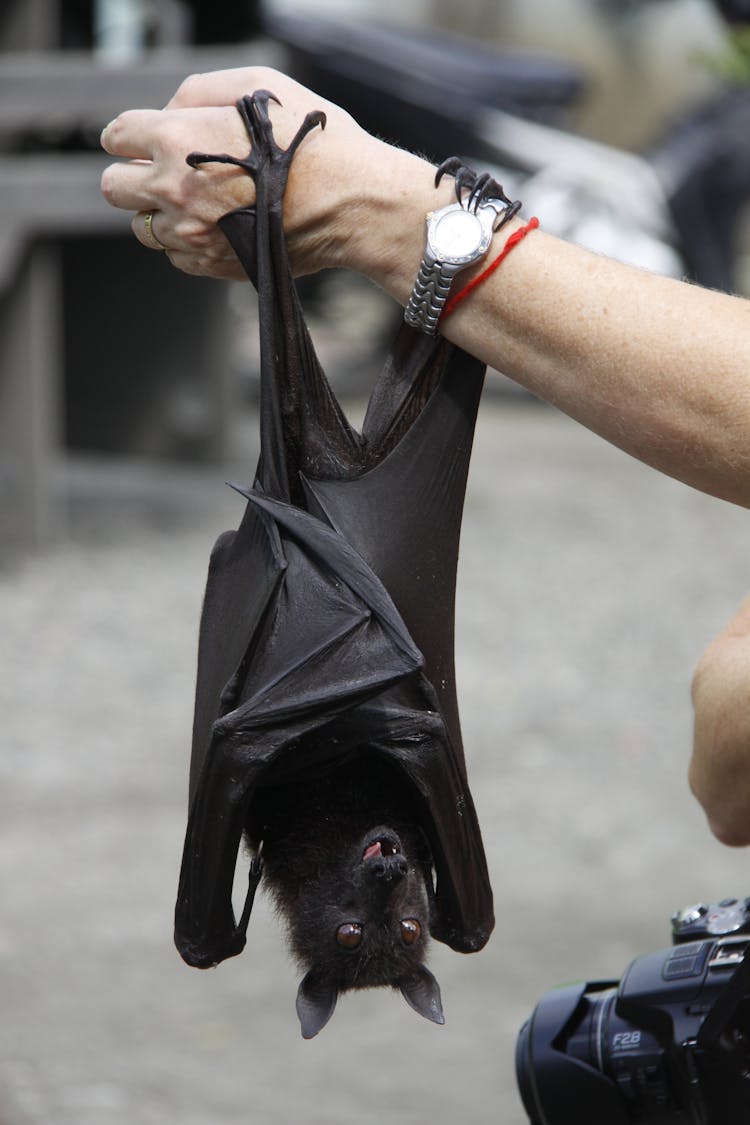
(204, 251)
(143, 227)
(132, 134)
(223, 87)
(128, 186)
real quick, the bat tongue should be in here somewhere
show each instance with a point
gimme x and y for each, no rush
(376, 848)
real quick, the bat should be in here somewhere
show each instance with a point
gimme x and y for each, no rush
(326, 729)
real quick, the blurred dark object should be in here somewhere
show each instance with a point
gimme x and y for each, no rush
(103, 347)
(72, 24)
(151, 380)
(419, 88)
(734, 11)
(77, 24)
(678, 205)
(223, 21)
(704, 165)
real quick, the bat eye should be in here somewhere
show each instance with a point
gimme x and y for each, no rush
(411, 930)
(349, 935)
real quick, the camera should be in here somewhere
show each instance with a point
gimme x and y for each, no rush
(669, 1043)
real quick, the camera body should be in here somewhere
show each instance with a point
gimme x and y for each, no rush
(670, 1042)
(693, 923)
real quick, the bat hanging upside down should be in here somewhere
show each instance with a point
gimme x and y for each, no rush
(326, 726)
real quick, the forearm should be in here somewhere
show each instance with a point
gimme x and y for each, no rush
(656, 366)
(720, 766)
(653, 366)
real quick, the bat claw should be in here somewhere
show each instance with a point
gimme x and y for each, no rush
(481, 189)
(473, 189)
(312, 120)
(253, 878)
(449, 167)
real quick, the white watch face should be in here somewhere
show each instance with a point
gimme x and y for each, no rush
(457, 236)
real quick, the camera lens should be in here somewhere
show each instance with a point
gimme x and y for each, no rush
(525, 1075)
(560, 1062)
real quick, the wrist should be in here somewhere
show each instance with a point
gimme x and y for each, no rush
(382, 229)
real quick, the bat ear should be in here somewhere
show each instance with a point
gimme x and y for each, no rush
(316, 999)
(422, 992)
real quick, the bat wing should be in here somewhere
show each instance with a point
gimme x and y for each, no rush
(322, 636)
(244, 573)
(404, 517)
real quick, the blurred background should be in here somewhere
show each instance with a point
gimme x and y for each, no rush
(588, 584)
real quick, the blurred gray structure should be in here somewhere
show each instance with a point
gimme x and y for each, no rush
(85, 359)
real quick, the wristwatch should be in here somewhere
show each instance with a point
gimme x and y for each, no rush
(456, 238)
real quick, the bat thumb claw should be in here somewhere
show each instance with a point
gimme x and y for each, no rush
(253, 878)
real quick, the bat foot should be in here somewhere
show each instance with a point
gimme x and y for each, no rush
(474, 189)
(253, 109)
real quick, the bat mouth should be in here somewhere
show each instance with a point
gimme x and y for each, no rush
(381, 846)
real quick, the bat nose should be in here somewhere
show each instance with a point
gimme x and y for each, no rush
(390, 868)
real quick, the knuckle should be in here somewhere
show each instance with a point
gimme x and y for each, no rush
(185, 232)
(106, 184)
(114, 130)
(189, 87)
(260, 76)
(107, 138)
(168, 185)
(191, 264)
(192, 234)
(174, 193)
(110, 184)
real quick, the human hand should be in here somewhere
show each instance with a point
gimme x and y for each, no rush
(325, 192)
(156, 180)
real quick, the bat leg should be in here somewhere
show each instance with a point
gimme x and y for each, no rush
(253, 110)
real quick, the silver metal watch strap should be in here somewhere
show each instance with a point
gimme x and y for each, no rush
(429, 295)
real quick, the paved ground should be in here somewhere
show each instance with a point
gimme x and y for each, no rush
(588, 587)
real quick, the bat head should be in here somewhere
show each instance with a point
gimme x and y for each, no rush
(364, 924)
(355, 894)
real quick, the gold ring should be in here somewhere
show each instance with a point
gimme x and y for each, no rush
(151, 238)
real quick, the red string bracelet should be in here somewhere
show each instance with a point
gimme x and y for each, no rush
(514, 239)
